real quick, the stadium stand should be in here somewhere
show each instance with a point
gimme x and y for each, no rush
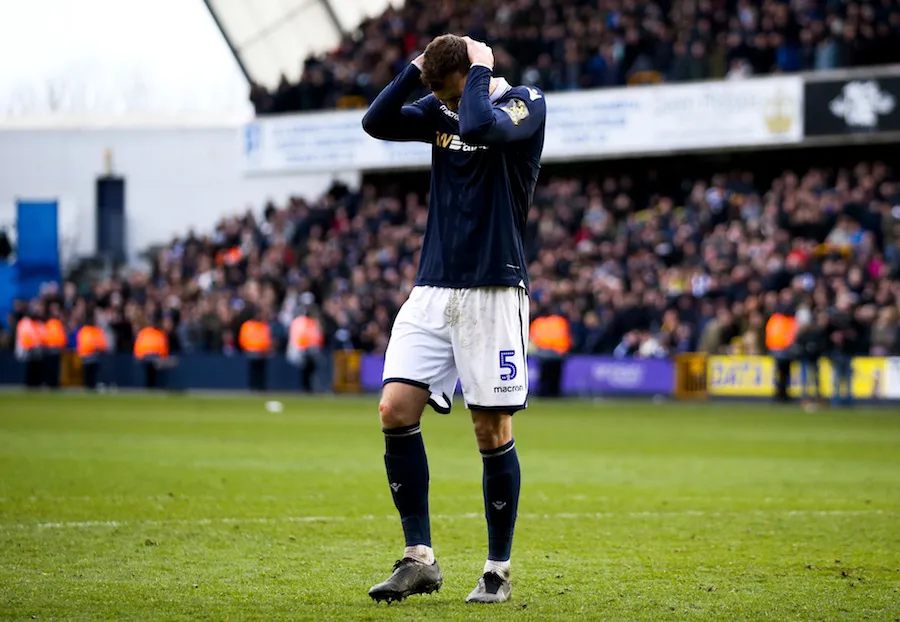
(640, 268)
(569, 45)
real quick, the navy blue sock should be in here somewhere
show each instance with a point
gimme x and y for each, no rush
(407, 472)
(501, 482)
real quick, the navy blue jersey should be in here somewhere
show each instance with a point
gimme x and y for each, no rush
(484, 165)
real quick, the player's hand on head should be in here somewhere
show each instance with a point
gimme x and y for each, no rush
(479, 52)
(419, 60)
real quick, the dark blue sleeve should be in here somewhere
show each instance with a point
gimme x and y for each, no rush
(389, 119)
(482, 123)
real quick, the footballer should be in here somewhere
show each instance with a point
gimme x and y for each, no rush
(467, 316)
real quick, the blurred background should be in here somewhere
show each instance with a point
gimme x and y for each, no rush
(187, 199)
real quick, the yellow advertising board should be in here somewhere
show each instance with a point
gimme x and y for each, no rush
(754, 376)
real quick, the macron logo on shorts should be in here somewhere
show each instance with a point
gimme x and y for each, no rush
(512, 389)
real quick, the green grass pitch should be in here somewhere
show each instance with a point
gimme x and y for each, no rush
(133, 507)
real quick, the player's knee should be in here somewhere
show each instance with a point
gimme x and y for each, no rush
(395, 415)
(492, 429)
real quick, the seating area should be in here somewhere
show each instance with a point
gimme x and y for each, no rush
(636, 270)
(566, 45)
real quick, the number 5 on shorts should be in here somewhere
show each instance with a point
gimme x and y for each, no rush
(507, 364)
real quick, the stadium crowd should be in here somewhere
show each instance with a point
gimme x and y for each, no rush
(636, 272)
(566, 45)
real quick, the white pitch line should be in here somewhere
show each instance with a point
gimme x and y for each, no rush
(132, 498)
(448, 517)
(239, 498)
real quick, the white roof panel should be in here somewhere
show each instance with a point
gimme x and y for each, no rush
(351, 12)
(272, 37)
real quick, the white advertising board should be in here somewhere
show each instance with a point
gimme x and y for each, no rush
(588, 124)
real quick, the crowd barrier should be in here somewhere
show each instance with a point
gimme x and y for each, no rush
(190, 371)
(688, 376)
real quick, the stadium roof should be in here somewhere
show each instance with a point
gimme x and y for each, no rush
(271, 37)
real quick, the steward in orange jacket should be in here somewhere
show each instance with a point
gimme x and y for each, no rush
(255, 339)
(29, 349)
(90, 344)
(781, 332)
(151, 349)
(54, 343)
(305, 342)
(551, 340)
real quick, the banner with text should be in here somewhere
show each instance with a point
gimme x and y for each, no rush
(754, 376)
(672, 118)
(601, 375)
(588, 124)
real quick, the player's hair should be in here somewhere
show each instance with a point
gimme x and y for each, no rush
(445, 56)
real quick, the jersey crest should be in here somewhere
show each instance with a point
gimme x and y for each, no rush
(516, 109)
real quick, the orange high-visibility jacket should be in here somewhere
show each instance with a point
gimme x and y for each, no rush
(551, 333)
(781, 330)
(255, 337)
(28, 335)
(90, 341)
(151, 342)
(305, 333)
(54, 335)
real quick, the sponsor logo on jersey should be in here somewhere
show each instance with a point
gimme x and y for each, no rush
(453, 142)
(450, 113)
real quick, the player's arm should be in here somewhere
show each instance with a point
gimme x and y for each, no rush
(482, 123)
(388, 118)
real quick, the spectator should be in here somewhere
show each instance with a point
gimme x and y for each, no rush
(812, 344)
(718, 333)
(844, 334)
(886, 332)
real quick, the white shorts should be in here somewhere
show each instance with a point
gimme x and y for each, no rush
(478, 335)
